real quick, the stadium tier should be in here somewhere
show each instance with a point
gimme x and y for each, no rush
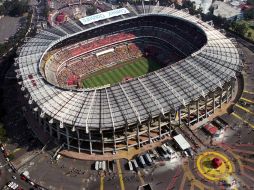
(198, 74)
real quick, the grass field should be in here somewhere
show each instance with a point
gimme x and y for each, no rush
(116, 74)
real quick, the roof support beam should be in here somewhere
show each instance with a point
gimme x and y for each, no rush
(75, 24)
(65, 114)
(131, 104)
(218, 60)
(59, 28)
(152, 96)
(176, 94)
(213, 79)
(89, 111)
(110, 109)
(189, 81)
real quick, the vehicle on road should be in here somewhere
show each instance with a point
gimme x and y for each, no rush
(135, 164)
(148, 159)
(96, 165)
(130, 166)
(103, 165)
(142, 161)
(190, 152)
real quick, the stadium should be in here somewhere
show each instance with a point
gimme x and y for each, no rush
(121, 78)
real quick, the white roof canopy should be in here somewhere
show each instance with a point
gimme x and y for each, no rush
(180, 140)
(103, 16)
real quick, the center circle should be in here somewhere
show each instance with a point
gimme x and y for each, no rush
(206, 168)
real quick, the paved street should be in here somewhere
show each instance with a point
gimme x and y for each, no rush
(7, 175)
(8, 30)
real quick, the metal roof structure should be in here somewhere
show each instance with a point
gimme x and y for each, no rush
(134, 101)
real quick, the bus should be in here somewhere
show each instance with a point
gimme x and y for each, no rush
(142, 161)
(220, 123)
(96, 165)
(135, 164)
(100, 165)
(130, 166)
(148, 158)
(103, 165)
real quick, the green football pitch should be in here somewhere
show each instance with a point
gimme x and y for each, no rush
(133, 68)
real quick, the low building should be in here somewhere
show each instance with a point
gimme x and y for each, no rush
(226, 11)
(203, 4)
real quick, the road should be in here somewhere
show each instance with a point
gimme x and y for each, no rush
(7, 173)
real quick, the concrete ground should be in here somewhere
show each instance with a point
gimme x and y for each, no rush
(8, 27)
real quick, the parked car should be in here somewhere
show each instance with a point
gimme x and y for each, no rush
(185, 153)
(220, 123)
(190, 152)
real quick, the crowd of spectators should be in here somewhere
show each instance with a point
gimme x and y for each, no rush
(83, 66)
(99, 43)
(134, 50)
(108, 58)
(79, 59)
(63, 76)
(122, 51)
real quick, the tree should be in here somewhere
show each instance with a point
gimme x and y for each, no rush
(249, 34)
(248, 13)
(250, 2)
(91, 10)
(211, 10)
(11, 156)
(3, 137)
(46, 10)
(240, 27)
(2, 10)
(15, 7)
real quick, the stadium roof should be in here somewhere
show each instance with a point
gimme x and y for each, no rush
(133, 101)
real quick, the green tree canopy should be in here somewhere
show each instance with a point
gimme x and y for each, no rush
(15, 7)
(250, 2)
(240, 27)
(249, 13)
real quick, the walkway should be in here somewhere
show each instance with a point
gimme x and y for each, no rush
(121, 154)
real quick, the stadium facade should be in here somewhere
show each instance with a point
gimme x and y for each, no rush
(138, 111)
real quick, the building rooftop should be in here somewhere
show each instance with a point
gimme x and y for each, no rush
(226, 10)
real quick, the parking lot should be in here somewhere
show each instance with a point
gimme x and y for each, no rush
(8, 30)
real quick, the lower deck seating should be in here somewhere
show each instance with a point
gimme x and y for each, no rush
(134, 50)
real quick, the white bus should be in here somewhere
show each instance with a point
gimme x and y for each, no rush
(135, 164)
(142, 161)
(97, 165)
(130, 166)
(148, 158)
(103, 167)
(100, 165)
